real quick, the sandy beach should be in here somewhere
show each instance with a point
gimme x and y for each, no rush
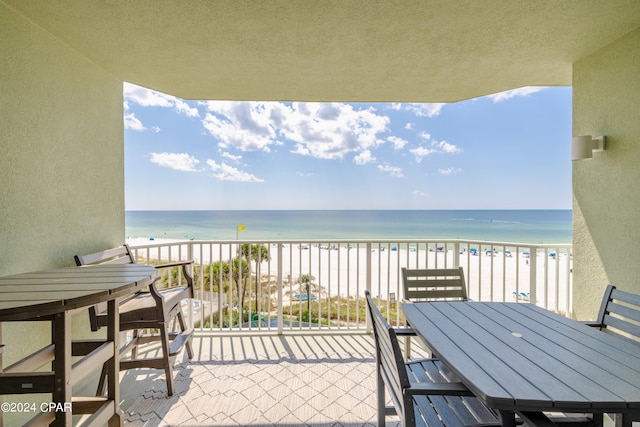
(340, 269)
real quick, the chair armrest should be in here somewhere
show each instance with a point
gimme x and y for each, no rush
(175, 264)
(404, 332)
(439, 389)
(157, 296)
(188, 275)
(593, 324)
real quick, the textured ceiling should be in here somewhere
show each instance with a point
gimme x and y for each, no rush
(342, 50)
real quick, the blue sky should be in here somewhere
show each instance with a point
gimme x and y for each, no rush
(505, 151)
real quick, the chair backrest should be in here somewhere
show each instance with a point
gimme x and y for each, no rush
(389, 359)
(119, 255)
(620, 314)
(434, 284)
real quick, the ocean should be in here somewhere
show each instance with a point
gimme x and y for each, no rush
(517, 226)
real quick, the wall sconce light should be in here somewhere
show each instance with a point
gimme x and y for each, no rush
(583, 147)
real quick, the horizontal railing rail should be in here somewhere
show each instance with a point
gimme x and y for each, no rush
(311, 285)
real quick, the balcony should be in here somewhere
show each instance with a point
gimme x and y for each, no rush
(280, 366)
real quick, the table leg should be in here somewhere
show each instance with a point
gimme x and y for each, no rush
(1, 351)
(507, 418)
(61, 331)
(623, 420)
(113, 366)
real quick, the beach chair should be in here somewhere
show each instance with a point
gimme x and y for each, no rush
(153, 310)
(424, 392)
(438, 284)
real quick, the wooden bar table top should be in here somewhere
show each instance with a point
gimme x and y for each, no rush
(52, 295)
(27, 296)
(520, 357)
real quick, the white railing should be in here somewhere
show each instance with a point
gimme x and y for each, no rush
(328, 278)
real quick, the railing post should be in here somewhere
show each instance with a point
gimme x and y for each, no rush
(368, 282)
(280, 293)
(456, 254)
(190, 250)
(193, 274)
(569, 282)
(533, 271)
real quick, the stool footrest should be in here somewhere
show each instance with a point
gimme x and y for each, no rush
(179, 342)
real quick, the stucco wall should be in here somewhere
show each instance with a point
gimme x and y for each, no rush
(61, 161)
(606, 189)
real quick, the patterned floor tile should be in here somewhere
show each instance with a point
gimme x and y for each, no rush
(261, 381)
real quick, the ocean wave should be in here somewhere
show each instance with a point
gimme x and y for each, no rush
(486, 220)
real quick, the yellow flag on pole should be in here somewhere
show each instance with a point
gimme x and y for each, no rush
(241, 228)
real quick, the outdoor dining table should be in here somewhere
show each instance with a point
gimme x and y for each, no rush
(54, 295)
(520, 357)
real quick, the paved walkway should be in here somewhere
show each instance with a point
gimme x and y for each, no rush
(305, 380)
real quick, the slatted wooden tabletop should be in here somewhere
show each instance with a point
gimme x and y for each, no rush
(52, 295)
(42, 293)
(522, 357)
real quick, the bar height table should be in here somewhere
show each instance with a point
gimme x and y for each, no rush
(53, 295)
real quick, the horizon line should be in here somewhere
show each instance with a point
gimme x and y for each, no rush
(334, 210)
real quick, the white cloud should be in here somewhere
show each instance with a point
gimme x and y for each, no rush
(364, 157)
(155, 129)
(424, 135)
(145, 97)
(426, 110)
(330, 131)
(245, 126)
(176, 161)
(419, 193)
(394, 171)
(435, 147)
(132, 122)
(421, 152)
(225, 172)
(150, 98)
(523, 91)
(445, 147)
(231, 156)
(398, 143)
(321, 130)
(449, 171)
(421, 109)
(183, 108)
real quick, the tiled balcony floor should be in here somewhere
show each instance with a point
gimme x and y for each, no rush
(303, 380)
